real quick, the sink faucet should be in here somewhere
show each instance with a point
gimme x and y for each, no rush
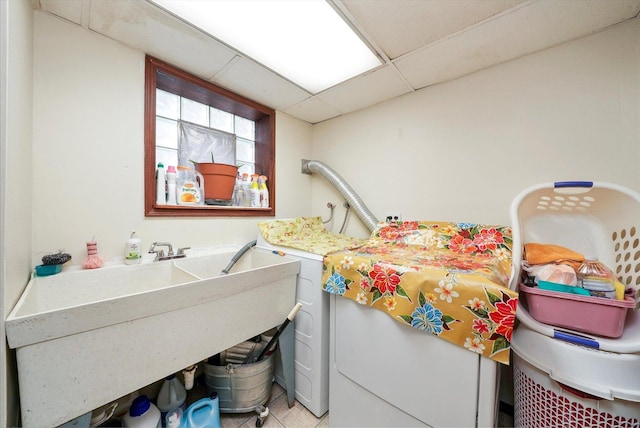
(160, 253)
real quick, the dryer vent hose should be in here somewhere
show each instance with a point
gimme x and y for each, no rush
(354, 201)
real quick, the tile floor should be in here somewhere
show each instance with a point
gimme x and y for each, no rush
(280, 415)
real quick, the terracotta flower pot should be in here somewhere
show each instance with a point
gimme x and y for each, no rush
(219, 180)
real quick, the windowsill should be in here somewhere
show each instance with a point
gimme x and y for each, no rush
(208, 210)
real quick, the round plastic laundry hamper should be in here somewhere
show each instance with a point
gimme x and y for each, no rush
(559, 384)
(542, 402)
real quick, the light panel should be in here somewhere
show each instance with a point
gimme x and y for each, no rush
(305, 41)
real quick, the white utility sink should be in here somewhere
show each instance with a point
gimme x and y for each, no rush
(86, 337)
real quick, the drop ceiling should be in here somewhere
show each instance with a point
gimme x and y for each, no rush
(421, 43)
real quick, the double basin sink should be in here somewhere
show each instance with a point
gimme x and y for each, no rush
(86, 337)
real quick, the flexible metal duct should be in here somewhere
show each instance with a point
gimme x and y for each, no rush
(361, 210)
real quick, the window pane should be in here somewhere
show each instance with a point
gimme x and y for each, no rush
(166, 133)
(221, 120)
(195, 112)
(245, 128)
(248, 168)
(245, 151)
(167, 104)
(167, 157)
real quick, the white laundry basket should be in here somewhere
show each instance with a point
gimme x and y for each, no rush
(564, 377)
(560, 384)
(602, 219)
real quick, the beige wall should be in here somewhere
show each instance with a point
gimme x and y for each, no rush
(464, 149)
(16, 28)
(89, 154)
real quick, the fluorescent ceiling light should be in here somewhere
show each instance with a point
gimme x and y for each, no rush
(305, 41)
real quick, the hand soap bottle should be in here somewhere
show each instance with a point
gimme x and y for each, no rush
(132, 250)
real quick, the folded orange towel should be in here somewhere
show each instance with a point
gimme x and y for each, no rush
(540, 254)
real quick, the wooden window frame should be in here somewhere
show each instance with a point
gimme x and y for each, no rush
(161, 75)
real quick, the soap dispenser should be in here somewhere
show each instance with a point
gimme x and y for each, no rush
(132, 250)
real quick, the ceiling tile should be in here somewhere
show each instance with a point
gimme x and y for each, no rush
(155, 32)
(400, 28)
(260, 84)
(366, 90)
(313, 110)
(536, 26)
(429, 41)
(70, 10)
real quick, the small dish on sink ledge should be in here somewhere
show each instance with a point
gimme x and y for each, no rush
(46, 270)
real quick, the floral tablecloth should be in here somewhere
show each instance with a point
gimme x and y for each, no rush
(306, 233)
(447, 279)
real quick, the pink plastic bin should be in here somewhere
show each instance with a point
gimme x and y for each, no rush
(586, 314)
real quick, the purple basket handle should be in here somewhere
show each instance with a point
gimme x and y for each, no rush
(574, 338)
(558, 184)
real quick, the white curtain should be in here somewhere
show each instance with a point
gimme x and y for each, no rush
(198, 143)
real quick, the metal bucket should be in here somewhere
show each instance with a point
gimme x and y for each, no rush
(241, 387)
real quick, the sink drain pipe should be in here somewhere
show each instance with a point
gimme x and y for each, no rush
(237, 256)
(354, 201)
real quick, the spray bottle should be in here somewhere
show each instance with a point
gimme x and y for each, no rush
(246, 190)
(255, 191)
(264, 191)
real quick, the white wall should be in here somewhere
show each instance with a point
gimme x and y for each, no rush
(461, 151)
(89, 152)
(16, 26)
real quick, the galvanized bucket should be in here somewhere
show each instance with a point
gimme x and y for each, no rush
(241, 385)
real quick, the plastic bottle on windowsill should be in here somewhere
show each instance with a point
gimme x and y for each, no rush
(264, 191)
(255, 192)
(161, 185)
(171, 185)
(246, 190)
(238, 191)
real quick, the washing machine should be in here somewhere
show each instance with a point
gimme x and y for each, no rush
(311, 327)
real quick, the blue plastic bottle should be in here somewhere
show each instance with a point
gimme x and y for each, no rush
(204, 413)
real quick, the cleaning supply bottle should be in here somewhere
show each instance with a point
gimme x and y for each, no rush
(171, 185)
(133, 250)
(204, 413)
(172, 395)
(161, 185)
(174, 419)
(264, 191)
(255, 192)
(246, 190)
(142, 414)
(597, 278)
(238, 191)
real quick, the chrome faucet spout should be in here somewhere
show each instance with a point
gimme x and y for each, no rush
(152, 249)
(160, 256)
(160, 253)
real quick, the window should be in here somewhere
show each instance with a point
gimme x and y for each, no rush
(176, 100)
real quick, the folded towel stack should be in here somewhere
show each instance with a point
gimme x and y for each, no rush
(542, 254)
